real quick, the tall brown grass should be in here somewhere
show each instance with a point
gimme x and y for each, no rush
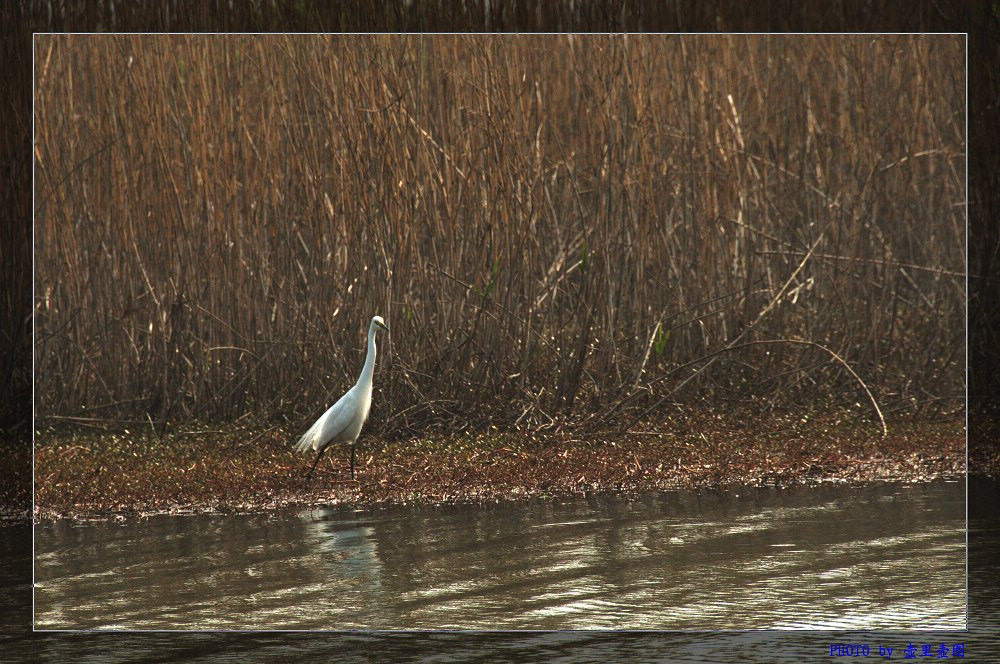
(553, 226)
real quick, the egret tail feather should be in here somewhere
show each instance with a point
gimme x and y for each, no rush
(306, 441)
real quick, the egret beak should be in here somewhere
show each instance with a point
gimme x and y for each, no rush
(383, 326)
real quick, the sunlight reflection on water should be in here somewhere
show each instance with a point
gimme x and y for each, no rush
(886, 556)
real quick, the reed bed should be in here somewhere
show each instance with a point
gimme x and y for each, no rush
(560, 230)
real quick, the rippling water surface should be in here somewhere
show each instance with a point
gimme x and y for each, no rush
(878, 557)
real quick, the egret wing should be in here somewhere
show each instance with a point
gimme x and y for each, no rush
(328, 426)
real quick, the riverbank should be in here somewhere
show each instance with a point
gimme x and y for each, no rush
(127, 475)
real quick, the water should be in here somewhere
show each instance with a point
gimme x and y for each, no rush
(21, 644)
(886, 556)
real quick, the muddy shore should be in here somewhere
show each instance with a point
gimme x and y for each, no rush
(83, 475)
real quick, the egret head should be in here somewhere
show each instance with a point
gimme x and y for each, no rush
(377, 321)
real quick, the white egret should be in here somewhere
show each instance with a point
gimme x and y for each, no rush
(343, 421)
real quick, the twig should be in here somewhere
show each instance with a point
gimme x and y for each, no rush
(645, 356)
(875, 261)
(801, 342)
(711, 356)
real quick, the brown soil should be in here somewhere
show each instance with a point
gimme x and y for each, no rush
(88, 476)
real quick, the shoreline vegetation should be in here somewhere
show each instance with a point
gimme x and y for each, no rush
(88, 476)
(747, 251)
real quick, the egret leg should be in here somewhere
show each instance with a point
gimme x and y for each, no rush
(318, 457)
(353, 448)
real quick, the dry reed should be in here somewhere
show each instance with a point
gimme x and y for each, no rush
(550, 224)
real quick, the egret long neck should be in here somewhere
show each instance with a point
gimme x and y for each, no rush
(369, 369)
